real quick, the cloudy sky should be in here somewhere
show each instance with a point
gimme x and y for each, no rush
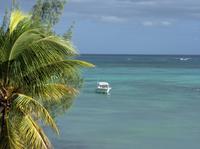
(130, 26)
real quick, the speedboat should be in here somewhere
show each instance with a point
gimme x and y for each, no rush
(103, 87)
(184, 59)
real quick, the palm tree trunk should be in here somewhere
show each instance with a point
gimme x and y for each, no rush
(3, 119)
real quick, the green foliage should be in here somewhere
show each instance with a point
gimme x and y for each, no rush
(68, 35)
(15, 5)
(48, 11)
(38, 73)
(5, 20)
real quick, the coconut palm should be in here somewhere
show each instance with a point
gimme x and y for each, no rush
(36, 68)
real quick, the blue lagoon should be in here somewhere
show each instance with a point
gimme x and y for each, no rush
(154, 104)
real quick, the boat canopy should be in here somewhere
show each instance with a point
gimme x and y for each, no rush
(103, 83)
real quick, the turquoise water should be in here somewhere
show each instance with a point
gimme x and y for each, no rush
(154, 104)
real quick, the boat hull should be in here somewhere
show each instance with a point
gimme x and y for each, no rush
(103, 90)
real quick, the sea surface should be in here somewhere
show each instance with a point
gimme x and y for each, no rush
(154, 104)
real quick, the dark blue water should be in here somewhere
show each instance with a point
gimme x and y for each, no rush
(154, 104)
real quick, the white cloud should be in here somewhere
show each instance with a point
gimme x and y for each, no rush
(156, 23)
(146, 3)
(148, 23)
(112, 19)
(136, 11)
(166, 23)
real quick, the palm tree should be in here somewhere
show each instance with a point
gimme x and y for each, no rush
(36, 68)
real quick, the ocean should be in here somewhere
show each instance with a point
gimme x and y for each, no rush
(154, 104)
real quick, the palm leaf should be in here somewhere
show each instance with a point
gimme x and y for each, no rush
(10, 138)
(28, 105)
(33, 40)
(39, 76)
(15, 19)
(38, 73)
(35, 137)
(54, 92)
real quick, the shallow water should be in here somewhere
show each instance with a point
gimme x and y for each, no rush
(154, 104)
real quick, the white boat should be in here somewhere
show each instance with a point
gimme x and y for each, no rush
(103, 87)
(184, 59)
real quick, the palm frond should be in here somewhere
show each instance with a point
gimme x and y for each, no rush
(15, 19)
(9, 138)
(23, 41)
(35, 137)
(33, 40)
(38, 76)
(28, 105)
(54, 92)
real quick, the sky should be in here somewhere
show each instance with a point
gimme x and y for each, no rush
(129, 26)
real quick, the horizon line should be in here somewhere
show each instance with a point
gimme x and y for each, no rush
(139, 54)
